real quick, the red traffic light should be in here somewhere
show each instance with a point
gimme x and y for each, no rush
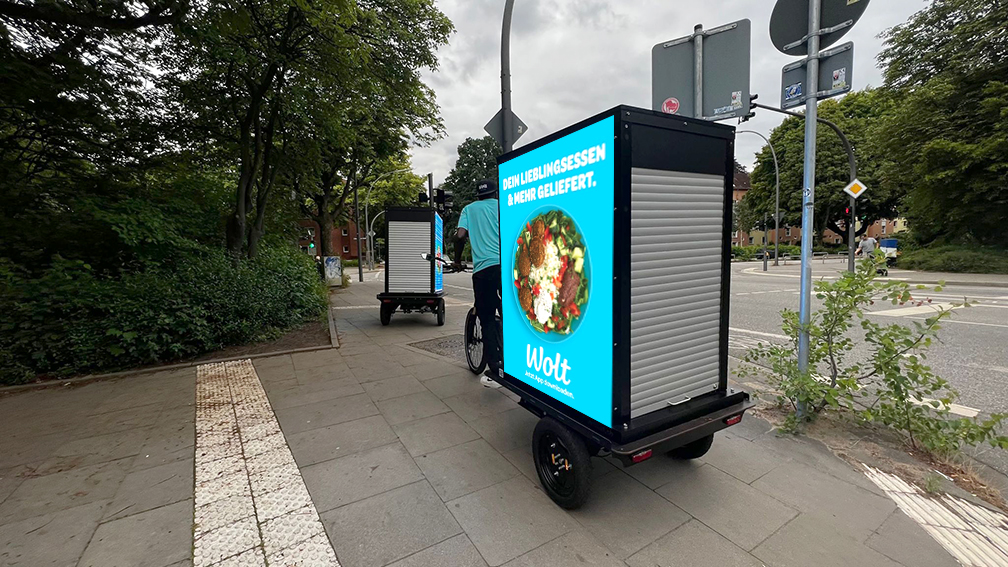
(847, 211)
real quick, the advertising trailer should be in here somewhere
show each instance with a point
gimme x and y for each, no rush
(411, 282)
(615, 264)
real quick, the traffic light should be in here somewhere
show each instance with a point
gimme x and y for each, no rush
(422, 198)
(752, 113)
(442, 199)
(846, 211)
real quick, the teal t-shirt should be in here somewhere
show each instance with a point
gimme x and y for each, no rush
(481, 220)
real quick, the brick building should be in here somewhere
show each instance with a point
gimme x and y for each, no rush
(344, 244)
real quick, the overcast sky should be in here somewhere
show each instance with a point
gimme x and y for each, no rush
(571, 59)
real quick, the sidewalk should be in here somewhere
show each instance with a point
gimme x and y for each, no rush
(833, 267)
(408, 461)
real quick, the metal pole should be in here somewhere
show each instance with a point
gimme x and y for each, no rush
(776, 197)
(506, 77)
(850, 234)
(360, 264)
(698, 71)
(367, 236)
(764, 242)
(371, 225)
(808, 190)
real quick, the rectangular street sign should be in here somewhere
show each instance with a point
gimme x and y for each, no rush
(726, 62)
(836, 67)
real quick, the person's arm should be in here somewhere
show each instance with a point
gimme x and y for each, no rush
(460, 238)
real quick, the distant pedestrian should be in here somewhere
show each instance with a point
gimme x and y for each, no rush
(867, 246)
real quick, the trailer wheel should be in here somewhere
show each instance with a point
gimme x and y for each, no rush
(693, 450)
(440, 312)
(386, 313)
(562, 463)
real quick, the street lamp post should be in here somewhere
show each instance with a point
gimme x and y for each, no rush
(776, 197)
(367, 203)
(508, 117)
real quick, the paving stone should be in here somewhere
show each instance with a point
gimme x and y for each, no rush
(411, 407)
(393, 388)
(816, 455)
(221, 512)
(454, 384)
(325, 413)
(390, 526)
(522, 459)
(807, 540)
(45, 494)
(116, 421)
(313, 552)
(432, 368)
(322, 375)
(574, 549)
(459, 470)
(659, 470)
(378, 370)
(732, 508)
(226, 541)
(509, 519)
(693, 544)
(453, 552)
(287, 499)
(355, 477)
(12, 477)
(614, 513)
(742, 458)
(165, 446)
(302, 395)
(481, 403)
(434, 433)
(151, 488)
(154, 538)
(507, 430)
(289, 529)
(340, 440)
(249, 558)
(847, 507)
(236, 484)
(93, 450)
(314, 359)
(57, 538)
(901, 539)
(17, 450)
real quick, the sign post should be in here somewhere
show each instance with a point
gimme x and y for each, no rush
(825, 27)
(704, 75)
(855, 190)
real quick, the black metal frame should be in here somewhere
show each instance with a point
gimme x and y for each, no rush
(676, 425)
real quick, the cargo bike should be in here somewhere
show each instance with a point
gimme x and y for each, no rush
(413, 284)
(615, 265)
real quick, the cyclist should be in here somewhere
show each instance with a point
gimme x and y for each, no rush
(479, 222)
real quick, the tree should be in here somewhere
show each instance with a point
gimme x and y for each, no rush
(273, 63)
(855, 115)
(477, 159)
(945, 141)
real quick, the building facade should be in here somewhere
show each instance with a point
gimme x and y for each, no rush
(344, 244)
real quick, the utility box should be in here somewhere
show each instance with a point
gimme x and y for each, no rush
(615, 263)
(413, 283)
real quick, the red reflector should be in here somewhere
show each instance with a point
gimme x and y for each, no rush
(387, 301)
(733, 419)
(642, 456)
(430, 301)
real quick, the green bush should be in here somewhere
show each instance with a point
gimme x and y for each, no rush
(350, 263)
(747, 253)
(955, 258)
(71, 320)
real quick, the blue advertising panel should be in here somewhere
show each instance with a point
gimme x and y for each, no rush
(438, 245)
(556, 222)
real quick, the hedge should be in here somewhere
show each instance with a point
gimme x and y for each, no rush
(70, 320)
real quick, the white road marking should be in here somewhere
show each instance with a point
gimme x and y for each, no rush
(251, 503)
(926, 309)
(959, 322)
(759, 334)
(976, 536)
(1002, 369)
(453, 286)
(954, 409)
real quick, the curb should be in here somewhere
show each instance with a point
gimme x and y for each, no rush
(149, 370)
(909, 281)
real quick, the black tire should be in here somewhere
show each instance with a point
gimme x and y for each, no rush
(386, 313)
(693, 450)
(562, 463)
(440, 312)
(474, 343)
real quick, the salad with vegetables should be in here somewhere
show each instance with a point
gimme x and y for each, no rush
(550, 274)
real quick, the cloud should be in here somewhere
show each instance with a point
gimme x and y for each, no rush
(574, 58)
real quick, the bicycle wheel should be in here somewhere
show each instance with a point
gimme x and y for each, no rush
(474, 342)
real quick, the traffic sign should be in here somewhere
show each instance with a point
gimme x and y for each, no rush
(856, 188)
(836, 67)
(724, 69)
(790, 20)
(496, 127)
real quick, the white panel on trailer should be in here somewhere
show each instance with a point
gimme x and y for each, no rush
(676, 256)
(408, 272)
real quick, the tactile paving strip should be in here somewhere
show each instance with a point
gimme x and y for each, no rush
(251, 505)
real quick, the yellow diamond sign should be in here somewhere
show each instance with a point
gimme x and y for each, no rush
(856, 188)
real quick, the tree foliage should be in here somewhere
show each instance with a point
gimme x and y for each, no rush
(855, 115)
(477, 160)
(944, 142)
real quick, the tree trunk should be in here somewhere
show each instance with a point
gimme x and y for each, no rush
(325, 222)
